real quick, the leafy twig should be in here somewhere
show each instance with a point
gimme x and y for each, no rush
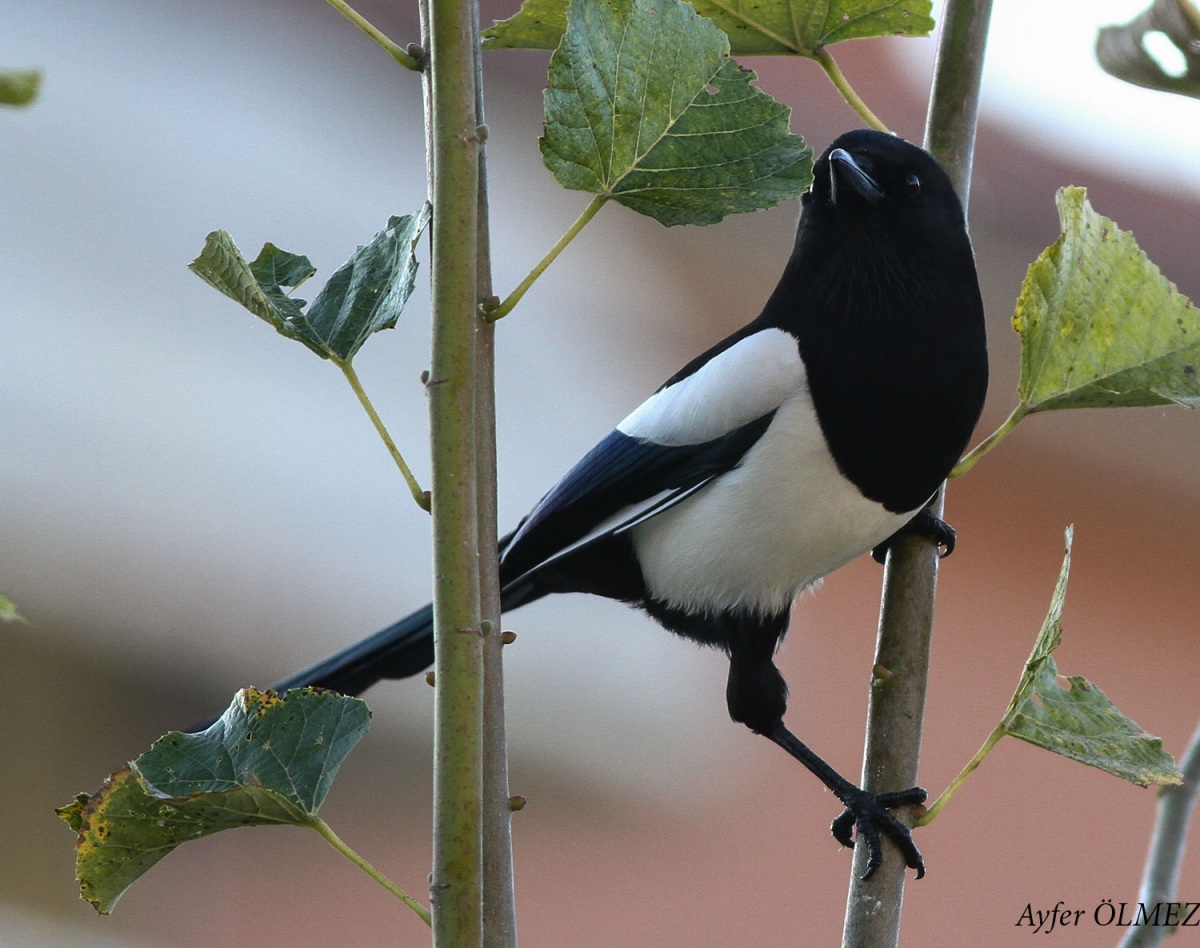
(513, 298)
(326, 833)
(842, 84)
(402, 56)
(419, 495)
(944, 797)
(986, 445)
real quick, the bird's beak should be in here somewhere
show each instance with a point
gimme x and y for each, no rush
(846, 173)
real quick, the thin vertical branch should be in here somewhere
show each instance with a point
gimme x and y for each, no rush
(1161, 878)
(456, 882)
(499, 897)
(898, 686)
(954, 102)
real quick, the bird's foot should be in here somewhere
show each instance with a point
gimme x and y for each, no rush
(868, 815)
(924, 524)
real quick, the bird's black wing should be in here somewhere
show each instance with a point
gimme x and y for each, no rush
(696, 427)
(622, 481)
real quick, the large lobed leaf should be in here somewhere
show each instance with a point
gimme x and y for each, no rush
(1100, 325)
(1079, 721)
(366, 294)
(266, 761)
(753, 26)
(645, 107)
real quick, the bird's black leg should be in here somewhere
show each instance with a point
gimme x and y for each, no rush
(924, 524)
(868, 813)
(757, 697)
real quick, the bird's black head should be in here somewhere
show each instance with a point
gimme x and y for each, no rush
(869, 179)
(882, 295)
(881, 229)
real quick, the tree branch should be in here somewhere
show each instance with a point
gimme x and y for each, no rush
(499, 897)
(1161, 878)
(456, 882)
(901, 672)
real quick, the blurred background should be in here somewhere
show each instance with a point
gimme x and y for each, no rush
(192, 504)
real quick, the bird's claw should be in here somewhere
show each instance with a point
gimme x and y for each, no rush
(925, 524)
(868, 814)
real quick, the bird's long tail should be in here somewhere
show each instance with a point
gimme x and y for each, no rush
(404, 648)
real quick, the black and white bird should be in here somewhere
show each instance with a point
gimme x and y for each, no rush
(804, 440)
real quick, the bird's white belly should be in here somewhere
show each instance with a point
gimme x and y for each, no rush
(758, 535)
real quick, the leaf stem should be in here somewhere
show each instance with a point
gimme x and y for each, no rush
(560, 245)
(842, 84)
(931, 812)
(332, 838)
(419, 495)
(986, 445)
(393, 49)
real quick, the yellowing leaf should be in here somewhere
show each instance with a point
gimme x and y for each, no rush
(1079, 721)
(753, 26)
(267, 760)
(1100, 325)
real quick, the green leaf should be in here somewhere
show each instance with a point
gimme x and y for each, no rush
(364, 296)
(753, 26)
(1078, 721)
(266, 761)
(278, 273)
(222, 266)
(370, 289)
(1100, 326)
(645, 107)
(19, 86)
(539, 24)
(8, 610)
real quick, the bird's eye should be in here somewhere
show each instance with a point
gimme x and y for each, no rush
(913, 185)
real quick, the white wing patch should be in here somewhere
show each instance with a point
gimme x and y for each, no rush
(746, 381)
(765, 530)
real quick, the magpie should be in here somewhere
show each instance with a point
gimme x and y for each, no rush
(807, 438)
